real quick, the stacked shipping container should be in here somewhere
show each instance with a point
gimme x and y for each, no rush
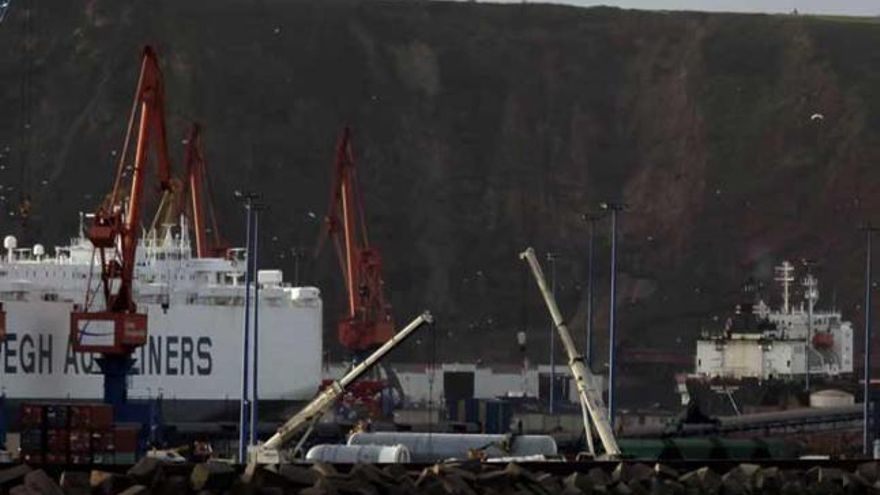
(77, 433)
(492, 415)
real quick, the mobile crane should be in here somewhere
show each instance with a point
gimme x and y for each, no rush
(305, 419)
(117, 329)
(592, 407)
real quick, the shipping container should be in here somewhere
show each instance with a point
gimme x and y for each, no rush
(91, 416)
(102, 441)
(126, 438)
(32, 441)
(57, 416)
(493, 415)
(57, 441)
(31, 415)
(124, 458)
(56, 458)
(80, 442)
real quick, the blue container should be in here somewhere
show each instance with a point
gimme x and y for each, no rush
(497, 416)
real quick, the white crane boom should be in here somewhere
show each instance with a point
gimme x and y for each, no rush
(592, 405)
(320, 404)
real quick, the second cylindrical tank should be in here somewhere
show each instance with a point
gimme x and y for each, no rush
(353, 454)
(432, 447)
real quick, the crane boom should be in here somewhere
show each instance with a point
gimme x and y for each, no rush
(326, 398)
(194, 161)
(197, 191)
(118, 328)
(592, 406)
(368, 322)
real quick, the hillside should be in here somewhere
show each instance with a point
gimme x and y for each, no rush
(481, 129)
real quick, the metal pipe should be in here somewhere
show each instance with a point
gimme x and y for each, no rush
(592, 408)
(866, 440)
(256, 344)
(552, 259)
(436, 447)
(589, 343)
(350, 251)
(612, 337)
(809, 340)
(243, 414)
(355, 454)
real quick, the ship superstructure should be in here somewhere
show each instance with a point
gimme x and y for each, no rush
(763, 343)
(196, 319)
(766, 358)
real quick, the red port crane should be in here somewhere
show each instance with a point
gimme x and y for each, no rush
(197, 190)
(117, 329)
(368, 322)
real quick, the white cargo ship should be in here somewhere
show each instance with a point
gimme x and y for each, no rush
(763, 357)
(195, 314)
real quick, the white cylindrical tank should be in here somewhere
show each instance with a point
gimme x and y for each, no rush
(433, 447)
(353, 454)
(831, 398)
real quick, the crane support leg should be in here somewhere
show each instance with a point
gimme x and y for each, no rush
(313, 411)
(115, 369)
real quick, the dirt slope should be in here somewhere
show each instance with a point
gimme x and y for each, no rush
(481, 129)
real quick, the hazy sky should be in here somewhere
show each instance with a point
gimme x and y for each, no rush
(843, 7)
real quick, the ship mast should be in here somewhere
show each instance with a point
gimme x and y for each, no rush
(785, 276)
(812, 292)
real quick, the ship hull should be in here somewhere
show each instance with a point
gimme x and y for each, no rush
(720, 397)
(193, 355)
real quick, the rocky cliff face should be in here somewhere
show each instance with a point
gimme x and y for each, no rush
(481, 129)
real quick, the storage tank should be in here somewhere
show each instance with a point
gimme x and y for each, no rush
(353, 454)
(831, 398)
(433, 447)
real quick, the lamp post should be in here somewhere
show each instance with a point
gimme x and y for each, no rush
(521, 343)
(614, 208)
(588, 345)
(245, 365)
(551, 258)
(866, 440)
(254, 267)
(297, 254)
(811, 294)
